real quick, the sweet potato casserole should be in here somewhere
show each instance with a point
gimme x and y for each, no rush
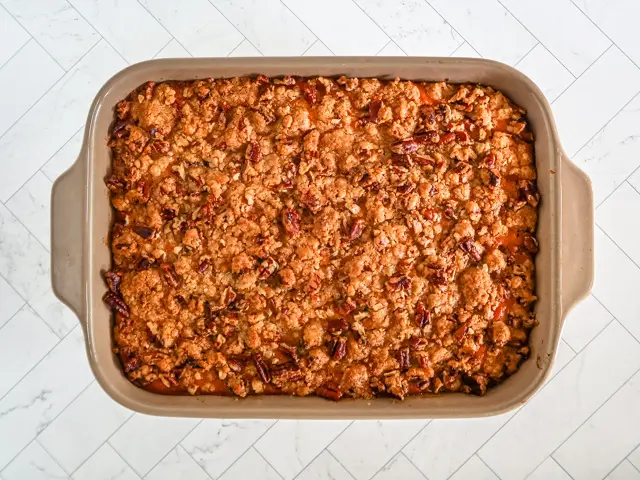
(339, 237)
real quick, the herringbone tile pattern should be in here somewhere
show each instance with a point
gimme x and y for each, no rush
(55, 421)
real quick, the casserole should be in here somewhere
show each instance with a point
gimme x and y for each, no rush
(564, 266)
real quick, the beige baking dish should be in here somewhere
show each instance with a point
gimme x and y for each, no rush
(81, 217)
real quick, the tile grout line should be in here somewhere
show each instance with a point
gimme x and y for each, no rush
(616, 466)
(542, 43)
(621, 324)
(15, 54)
(453, 28)
(35, 440)
(631, 184)
(306, 26)
(624, 384)
(267, 461)
(632, 464)
(374, 22)
(621, 249)
(243, 453)
(32, 38)
(413, 464)
(9, 283)
(48, 90)
(603, 33)
(477, 452)
(460, 46)
(486, 465)
(609, 195)
(310, 46)
(237, 46)
(320, 453)
(236, 28)
(515, 65)
(385, 46)
(167, 44)
(51, 420)
(338, 461)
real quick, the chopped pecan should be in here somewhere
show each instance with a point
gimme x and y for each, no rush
(310, 93)
(337, 326)
(450, 213)
(287, 372)
(339, 348)
(468, 247)
(144, 232)
(331, 392)
(291, 222)
(405, 146)
(494, 178)
(293, 352)
(204, 264)
(114, 184)
(262, 78)
(418, 343)
(168, 213)
(528, 192)
(447, 138)
(144, 263)
(268, 267)
(253, 153)
(374, 110)
(170, 274)
(229, 296)
(405, 188)
(400, 283)
(356, 229)
(261, 367)
(530, 243)
(113, 278)
(403, 359)
(422, 315)
(116, 302)
(345, 307)
(401, 159)
(428, 137)
(235, 364)
(120, 128)
(311, 202)
(132, 363)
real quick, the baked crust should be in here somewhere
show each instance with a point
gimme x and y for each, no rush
(340, 237)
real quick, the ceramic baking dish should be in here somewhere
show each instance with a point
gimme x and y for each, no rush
(81, 216)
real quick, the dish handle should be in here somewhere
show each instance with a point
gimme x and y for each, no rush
(577, 235)
(67, 222)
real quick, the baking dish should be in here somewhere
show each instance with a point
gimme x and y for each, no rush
(81, 216)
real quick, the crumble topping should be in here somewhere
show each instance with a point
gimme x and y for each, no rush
(339, 237)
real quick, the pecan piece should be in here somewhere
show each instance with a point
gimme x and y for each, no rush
(528, 192)
(120, 128)
(337, 325)
(170, 274)
(422, 315)
(310, 93)
(374, 110)
(114, 184)
(400, 160)
(403, 359)
(468, 247)
(329, 391)
(267, 268)
(405, 146)
(418, 343)
(253, 152)
(144, 232)
(132, 363)
(339, 348)
(235, 364)
(356, 229)
(168, 213)
(291, 222)
(204, 265)
(447, 138)
(261, 367)
(229, 296)
(113, 278)
(531, 244)
(345, 307)
(400, 283)
(116, 302)
(494, 178)
(405, 188)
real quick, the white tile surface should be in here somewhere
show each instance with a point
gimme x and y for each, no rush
(616, 19)
(27, 75)
(251, 465)
(15, 359)
(610, 157)
(132, 440)
(414, 25)
(290, 445)
(366, 446)
(589, 453)
(105, 464)
(56, 117)
(624, 471)
(216, 444)
(584, 323)
(127, 26)
(565, 402)
(599, 124)
(549, 470)
(12, 36)
(546, 71)
(579, 120)
(24, 262)
(33, 463)
(507, 40)
(11, 301)
(324, 467)
(40, 397)
(399, 467)
(197, 25)
(177, 464)
(616, 216)
(445, 445)
(474, 469)
(336, 31)
(31, 204)
(615, 279)
(68, 439)
(57, 26)
(576, 47)
(256, 19)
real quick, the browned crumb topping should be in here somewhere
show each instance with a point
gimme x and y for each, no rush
(338, 237)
